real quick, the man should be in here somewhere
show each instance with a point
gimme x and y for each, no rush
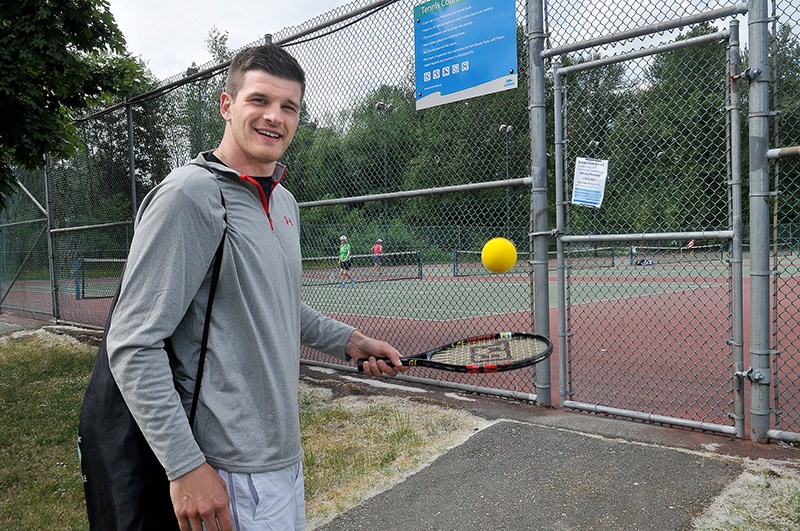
(240, 465)
(344, 262)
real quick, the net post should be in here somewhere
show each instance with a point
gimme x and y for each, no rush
(77, 274)
(419, 262)
(454, 263)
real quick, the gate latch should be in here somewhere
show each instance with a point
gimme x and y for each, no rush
(759, 376)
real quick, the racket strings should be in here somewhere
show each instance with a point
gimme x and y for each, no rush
(492, 351)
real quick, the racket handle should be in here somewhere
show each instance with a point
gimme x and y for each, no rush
(360, 363)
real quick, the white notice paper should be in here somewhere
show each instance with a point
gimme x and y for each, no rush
(589, 184)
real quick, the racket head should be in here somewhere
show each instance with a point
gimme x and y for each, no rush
(495, 352)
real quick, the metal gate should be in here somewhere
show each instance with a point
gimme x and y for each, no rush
(785, 249)
(649, 234)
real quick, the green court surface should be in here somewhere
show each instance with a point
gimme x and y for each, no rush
(436, 300)
(443, 300)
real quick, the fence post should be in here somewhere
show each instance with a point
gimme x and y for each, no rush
(758, 74)
(538, 241)
(558, 140)
(735, 176)
(131, 162)
(51, 244)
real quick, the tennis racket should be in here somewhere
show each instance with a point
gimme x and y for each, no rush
(502, 351)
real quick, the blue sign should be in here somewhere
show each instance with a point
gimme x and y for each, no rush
(463, 49)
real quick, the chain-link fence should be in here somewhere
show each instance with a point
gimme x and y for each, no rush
(25, 283)
(657, 113)
(646, 290)
(785, 126)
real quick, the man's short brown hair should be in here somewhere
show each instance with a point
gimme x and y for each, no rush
(270, 58)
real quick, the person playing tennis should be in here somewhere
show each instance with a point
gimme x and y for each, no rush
(377, 251)
(241, 467)
(344, 262)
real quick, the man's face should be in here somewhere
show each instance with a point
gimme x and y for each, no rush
(263, 118)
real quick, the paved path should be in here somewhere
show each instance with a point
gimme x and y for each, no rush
(540, 468)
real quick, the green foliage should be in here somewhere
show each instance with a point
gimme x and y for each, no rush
(660, 123)
(41, 390)
(386, 145)
(662, 130)
(57, 59)
(786, 58)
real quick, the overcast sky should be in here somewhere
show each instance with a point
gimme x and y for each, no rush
(171, 34)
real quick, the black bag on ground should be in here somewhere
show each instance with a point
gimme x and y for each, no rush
(125, 486)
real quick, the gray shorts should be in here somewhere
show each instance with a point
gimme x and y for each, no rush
(267, 501)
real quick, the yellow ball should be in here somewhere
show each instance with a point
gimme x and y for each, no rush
(499, 255)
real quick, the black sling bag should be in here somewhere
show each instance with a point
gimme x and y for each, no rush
(125, 486)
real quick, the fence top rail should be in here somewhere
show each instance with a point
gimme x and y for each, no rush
(659, 236)
(421, 192)
(714, 14)
(196, 74)
(677, 45)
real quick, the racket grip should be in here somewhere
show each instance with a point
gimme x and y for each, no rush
(360, 363)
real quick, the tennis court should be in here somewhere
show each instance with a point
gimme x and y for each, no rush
(616, 298)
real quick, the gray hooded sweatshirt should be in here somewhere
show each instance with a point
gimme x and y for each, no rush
(248, 416)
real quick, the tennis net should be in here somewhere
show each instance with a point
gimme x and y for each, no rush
(675, 254)
(468, 263)
(402, 265)
(97, 278)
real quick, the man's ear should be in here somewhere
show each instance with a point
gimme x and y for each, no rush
(225, 102)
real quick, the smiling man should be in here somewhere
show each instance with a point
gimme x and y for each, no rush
(239, 466)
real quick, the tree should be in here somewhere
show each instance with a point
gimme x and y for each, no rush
(786, 56)
(661, 124)
(57, 59)
(198, 104)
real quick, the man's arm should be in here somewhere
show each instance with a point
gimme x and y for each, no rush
(171, 253)
(346, 343)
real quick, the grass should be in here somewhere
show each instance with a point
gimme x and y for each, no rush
(765, 498)
(354, 446)
(41, 390)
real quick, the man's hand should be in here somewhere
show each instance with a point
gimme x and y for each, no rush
(379, 356)
(201, 497)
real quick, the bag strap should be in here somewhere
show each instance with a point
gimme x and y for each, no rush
(211, 292)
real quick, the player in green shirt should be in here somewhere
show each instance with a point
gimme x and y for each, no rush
(344, 262)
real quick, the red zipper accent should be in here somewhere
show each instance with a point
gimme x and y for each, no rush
(264, 198)
(261, 196)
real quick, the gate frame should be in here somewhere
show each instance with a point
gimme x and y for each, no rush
(733, 235)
